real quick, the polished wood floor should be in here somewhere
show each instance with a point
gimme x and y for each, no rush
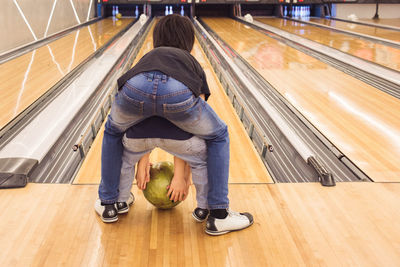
(352, 224)
(358, 28)
(24, 79)
(389, 22)
(384, 55)
(360, 120)
(245, 162)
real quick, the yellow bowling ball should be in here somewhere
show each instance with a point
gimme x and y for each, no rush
(119, 15)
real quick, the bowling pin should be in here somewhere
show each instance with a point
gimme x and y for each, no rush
(113, 11)
(137, 11)
(166, 11)
(170, 10)
(285, 11)
(182, 11)
(116, 10)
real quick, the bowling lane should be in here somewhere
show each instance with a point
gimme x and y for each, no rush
(360, 120)
(391, 35)
(245, 167)
(24, 79)
(377, 53)
(305, 224)
(383, 22)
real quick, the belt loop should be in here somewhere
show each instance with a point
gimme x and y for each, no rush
(164, 78)
(150, 77)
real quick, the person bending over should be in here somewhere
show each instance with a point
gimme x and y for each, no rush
(167, 82)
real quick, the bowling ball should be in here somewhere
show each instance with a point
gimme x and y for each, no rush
(118, 16)
(161, 175)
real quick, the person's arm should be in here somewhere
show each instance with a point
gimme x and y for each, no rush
(177, 190)
(143, 172)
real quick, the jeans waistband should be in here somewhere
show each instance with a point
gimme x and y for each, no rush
(155, 74)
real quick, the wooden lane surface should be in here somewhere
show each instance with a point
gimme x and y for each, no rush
(389, 22)
(352, 224)
(245, 165)
(24, 79)
(380, 54)
(360, 120)
(358, 28)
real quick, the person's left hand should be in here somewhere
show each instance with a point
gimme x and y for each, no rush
(177, 190)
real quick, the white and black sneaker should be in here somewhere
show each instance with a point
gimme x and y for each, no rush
(234, 221)
(200, 214)
(108, 213)
(123, 207)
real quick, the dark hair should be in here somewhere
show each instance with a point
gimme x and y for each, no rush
(174, 30)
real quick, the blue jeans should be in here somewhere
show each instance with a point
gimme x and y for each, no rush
(155, 94)
(193, 151)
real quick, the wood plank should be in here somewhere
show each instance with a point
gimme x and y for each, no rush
(295, 225)
(245, 165)
(24, 79)
(360, 120)
(391, 35)
(368, 50)
(389, 22)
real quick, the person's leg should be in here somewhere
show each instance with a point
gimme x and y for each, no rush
(194, 152)
(129, 159)
(195, 116)
(129, 108)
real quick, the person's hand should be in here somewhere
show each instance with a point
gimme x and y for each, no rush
(143, 172)
(177, 190)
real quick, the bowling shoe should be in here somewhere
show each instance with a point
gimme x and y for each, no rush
(123, 207)
(107, 213)
(234, 221)
(200, 214)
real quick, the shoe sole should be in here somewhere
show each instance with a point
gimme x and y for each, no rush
(123, 211)
(225, 232)
(109, 220)
(198, 219)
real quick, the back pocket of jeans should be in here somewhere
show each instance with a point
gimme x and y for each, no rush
(179, 107)
(132, 105)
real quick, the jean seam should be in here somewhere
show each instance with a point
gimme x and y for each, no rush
(174, 94)
(166, 110)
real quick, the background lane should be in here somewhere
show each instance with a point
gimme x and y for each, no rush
(362, 121)
(389, 22)
(358, 28)
(24, 79)
(377, 53)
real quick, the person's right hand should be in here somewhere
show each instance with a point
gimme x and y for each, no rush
(143, 172)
